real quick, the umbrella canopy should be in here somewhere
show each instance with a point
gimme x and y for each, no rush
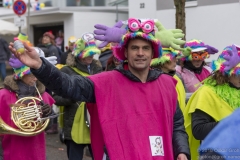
(8, 28)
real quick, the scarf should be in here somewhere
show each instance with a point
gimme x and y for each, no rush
(188, 65)
(25, 90)
(228, 92)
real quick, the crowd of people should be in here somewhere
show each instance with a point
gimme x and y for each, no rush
(146, 97)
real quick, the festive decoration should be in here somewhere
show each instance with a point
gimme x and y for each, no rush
(38, 6)
(233, 65)
(18, 45)
(23, 38)
(167, 55)
(85, 46)
(7, 3)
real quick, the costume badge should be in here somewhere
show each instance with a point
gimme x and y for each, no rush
(88, 37)
(156, 144)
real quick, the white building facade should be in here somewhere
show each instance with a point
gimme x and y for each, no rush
(216, 22)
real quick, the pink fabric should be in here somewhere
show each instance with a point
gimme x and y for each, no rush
(190, 79)
(126, 113)
(18, 147)
(59, 41)
(204, 74)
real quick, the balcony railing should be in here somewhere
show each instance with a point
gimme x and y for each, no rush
(79, 3)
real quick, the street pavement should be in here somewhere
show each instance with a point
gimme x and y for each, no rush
(56, 150)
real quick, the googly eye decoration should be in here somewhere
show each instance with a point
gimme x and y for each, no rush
(134, 24)
(148, 26)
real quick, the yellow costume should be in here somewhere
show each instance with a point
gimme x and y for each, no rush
(181, 93)
(206, 100)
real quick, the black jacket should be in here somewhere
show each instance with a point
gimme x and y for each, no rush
(71, 106)
(82, 89)
(202, 124)
(103, 58)
(64, 56)
(5, 53)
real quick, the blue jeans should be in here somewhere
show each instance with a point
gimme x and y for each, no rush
(3, 70)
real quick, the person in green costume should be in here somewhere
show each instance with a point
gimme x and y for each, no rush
(215, 100)
(75, 130)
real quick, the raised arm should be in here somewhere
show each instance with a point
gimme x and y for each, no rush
(74, 87)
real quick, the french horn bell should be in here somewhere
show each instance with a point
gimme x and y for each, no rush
(26, 114)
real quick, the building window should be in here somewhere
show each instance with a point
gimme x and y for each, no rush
(96, 2)
(191, 3)
(85, 2)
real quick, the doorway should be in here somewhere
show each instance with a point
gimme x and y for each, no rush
(39, 30)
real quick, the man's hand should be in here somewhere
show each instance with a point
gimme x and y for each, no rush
(46, 110)
(30, 57)
(169, 38)
(182, 157)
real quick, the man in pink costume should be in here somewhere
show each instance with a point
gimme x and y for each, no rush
(134, 109)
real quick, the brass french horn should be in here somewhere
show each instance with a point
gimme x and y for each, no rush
(26, 117)
(26, 114)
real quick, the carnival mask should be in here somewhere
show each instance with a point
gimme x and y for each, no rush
(199, 55)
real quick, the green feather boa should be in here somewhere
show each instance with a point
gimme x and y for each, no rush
(228, 94)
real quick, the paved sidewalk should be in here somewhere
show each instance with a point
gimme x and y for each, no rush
(56, 150)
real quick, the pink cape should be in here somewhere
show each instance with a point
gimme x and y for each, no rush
(18, 147)
(127, 113)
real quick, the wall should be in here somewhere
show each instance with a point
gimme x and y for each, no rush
(149, 10)
(79, 22)
(216, 25)
(163, 4)
(85, 21)
(67, 20)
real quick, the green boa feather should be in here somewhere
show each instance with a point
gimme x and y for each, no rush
(228, 94)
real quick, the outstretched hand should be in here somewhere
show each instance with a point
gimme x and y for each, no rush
(107, 34)
(169, 38)
(30, 57)
(232, 60)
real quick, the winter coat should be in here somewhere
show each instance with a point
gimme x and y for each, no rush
(64, 56)
(27, 148)
(203, 112)
(103, 58)
(5, 53)
(53, 51)
(71, 106)
(189, 79)
(82, 89)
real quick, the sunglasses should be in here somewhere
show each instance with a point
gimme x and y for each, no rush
(199, 55)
